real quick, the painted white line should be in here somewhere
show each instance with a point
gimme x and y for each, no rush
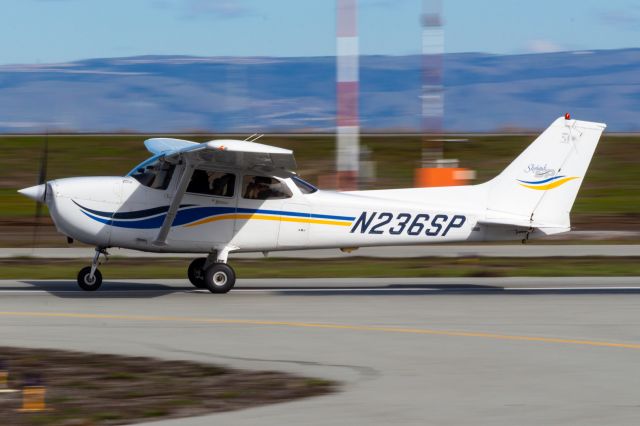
(568, 288)
(327, 290)
(38, 291)
(238, 290)
(258, 290)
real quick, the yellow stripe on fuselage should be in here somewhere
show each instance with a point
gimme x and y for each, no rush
(551, 185)
(315, 221)
(250, 216)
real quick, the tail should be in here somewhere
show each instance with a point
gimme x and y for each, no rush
(539, 187)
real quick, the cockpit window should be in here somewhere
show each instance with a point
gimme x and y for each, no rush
(155, 175)
(264, 188)
(304, 186)
(209, 182)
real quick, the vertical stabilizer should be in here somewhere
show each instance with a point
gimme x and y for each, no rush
(541, 185)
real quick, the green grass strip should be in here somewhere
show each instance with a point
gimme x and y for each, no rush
(22, 268)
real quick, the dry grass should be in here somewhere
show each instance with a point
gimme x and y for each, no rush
(95, 389)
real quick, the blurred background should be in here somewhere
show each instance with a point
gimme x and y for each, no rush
(369, 93)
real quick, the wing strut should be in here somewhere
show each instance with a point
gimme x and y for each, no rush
(175, 203)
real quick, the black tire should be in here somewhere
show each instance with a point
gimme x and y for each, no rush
(219, 278)
(85, 283)
(196, 272)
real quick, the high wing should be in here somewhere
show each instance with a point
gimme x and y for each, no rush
(228, 152)
(223, 152)
(166, 145)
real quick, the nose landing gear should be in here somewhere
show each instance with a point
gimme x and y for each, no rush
(89, 277)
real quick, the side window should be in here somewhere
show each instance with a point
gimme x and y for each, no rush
(156, 175)
(208, 182)
(264, 188)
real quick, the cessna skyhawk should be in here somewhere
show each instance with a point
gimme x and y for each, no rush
(226, 196)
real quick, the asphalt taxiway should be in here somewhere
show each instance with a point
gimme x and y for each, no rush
(407, 351)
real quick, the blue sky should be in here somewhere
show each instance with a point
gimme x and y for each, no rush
(40, 31)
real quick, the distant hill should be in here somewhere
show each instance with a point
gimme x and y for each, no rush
(180, 93)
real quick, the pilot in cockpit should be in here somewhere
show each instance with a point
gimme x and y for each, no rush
(263, 188)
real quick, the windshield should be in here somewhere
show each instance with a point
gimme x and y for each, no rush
(304, 186)
(145, 163)
(155, 173)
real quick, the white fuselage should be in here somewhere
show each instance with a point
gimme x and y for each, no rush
(227, 195)
(121, 212)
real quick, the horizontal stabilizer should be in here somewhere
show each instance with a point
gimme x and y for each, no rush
(519, 222)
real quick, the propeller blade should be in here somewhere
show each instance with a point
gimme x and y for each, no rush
(42, 179)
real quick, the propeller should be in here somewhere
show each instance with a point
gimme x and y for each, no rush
(42, 179)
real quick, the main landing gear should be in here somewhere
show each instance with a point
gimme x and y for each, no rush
(212, 274)
(89, 277)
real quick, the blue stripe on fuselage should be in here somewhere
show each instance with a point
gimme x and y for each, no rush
(294, 214)
(187, 214)
(137, 214)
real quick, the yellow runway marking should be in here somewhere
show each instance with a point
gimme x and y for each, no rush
(324, 326)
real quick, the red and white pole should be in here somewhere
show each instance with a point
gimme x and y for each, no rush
(432, 81)
(347, 152)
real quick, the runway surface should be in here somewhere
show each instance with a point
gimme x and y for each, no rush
(435, 250)
(407, 351)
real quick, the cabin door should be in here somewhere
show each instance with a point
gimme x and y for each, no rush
(294, 225)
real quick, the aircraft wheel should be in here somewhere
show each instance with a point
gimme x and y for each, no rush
(219, 278)
(86, 283)
(196, 272)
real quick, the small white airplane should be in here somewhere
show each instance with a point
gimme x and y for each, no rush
(228, 196)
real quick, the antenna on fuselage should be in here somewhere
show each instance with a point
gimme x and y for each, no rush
(254, 137)
(247, 139)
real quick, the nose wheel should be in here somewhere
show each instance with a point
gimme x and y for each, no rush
(89, 277)
(87, 282)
